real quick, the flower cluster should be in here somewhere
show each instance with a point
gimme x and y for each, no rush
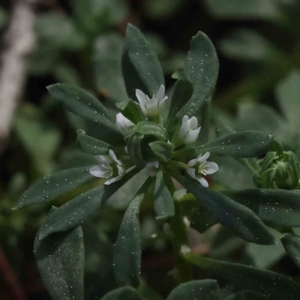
(113, 169)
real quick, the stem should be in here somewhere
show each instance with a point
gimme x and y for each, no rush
(178, 238)
(178, 164)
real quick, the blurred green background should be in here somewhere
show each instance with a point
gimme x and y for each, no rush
(80, 42)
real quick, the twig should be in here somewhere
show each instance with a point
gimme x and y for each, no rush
(18, 43)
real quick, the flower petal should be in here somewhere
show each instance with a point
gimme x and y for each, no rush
(192, 136)
(114, 157)
(142, 98)
(152, 107)
(184, 129)
(191, 172)
(110, 181)
(121, 171)
(192, 162)
(211, 167)
(104, 159)
(203, 158)
(160, 93)
(203, 181)
(98, 171)
(123, 124)
(193, 122)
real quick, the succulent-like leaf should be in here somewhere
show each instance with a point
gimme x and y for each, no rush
(237, 218)
(81, 103)
(201, 68)
(163, 200)
(276, 208)
(151, 129)
(55, 185)
(207, 289)
(122, 293)
(131, 110)
(90, 145)
(134, 148)
(162, 150)
(60, 266)
(291, 243)
(274, 286)
(239, 144)
(140, 65)
(127, 250)
(202, 219)
(77, 210)
(247, 295)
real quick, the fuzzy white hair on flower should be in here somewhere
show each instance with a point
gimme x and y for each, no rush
(152, 107)
(188, 132)
(200, 166)
(124, 125)
(108, 167)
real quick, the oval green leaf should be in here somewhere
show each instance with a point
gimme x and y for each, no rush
(162, 199)
(127, 250)
(62, 268)
(145, 69)
(55, 185)
(122, 293)
(274, 286)
(151, 129)
(291, 244)
(207, 289)
(240, 144)
(83, 104)
(237, 218)
(162, 150)
(276, 208)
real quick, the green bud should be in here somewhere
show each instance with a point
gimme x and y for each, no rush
(278, 170)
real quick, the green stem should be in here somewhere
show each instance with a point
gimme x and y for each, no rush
(178, 238)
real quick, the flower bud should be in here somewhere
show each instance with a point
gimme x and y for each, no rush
(278, 171)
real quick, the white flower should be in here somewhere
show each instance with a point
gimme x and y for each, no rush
(188, 132)
(151, 107)
(200, 165)
(152, 166)
(123, 124)
(108, 167)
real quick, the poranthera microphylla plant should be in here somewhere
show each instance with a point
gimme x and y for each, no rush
(148, 142)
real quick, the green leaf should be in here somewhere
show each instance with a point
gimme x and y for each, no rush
(247, 295)
(276, 208)
(60, 267)
(83, 104)
(182, 93)
(287, 94)
(207, 289)
(77, 210)
(134, 148)
(144, 65)
(245, 44)
(202, 219)
(55, 185)
(123, 196)
(162, 150)
(239, 144)
(163, 200)
(237, 218)
(127, 250)
(151, 129)
(90, 145)
(107, 66)
(201, 68)
(291, 244)
(122, 293)
(274, 286)
(131, 110)
(243, 9)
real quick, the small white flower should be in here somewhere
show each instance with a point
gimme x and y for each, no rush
(123, 124)
(200, 165)
(152, 166)
(108, 167)
(151, 107)
(185, 249)
(188, 132)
